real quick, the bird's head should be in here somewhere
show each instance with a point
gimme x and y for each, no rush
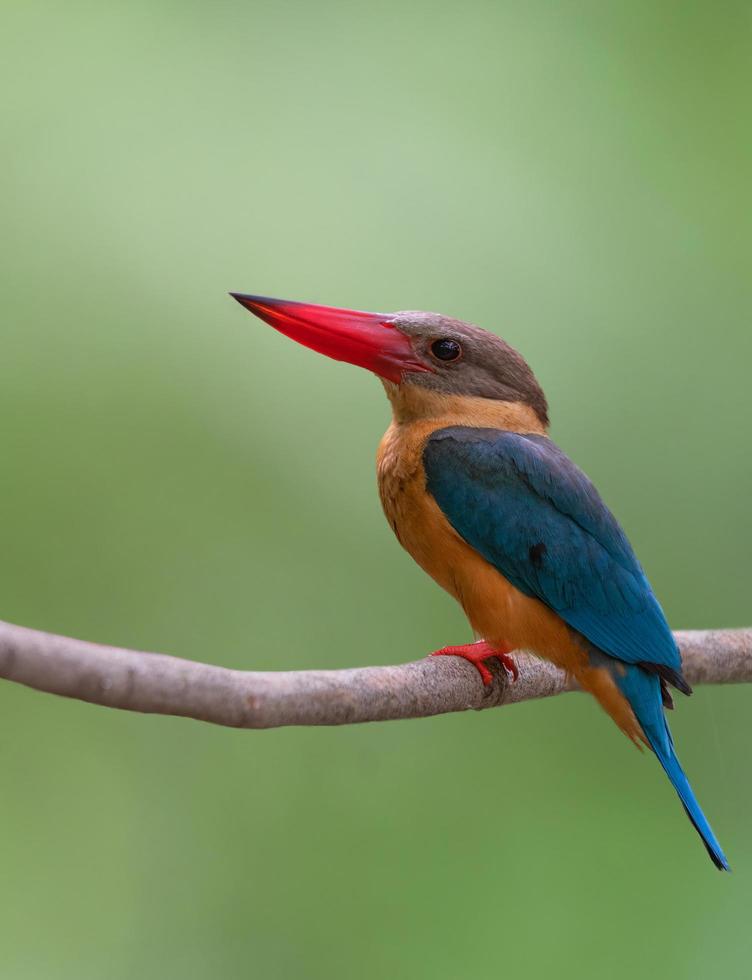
(410, 351)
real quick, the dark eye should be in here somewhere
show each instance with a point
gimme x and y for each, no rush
(445, 349)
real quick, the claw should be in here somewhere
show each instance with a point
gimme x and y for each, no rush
(477, 653)
(509, 664)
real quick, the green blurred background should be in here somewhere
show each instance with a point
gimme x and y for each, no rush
(178, 477)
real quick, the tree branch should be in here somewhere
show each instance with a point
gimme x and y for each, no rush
(156, 683)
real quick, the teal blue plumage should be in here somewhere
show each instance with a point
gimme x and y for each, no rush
(642, 690)
(522, 504)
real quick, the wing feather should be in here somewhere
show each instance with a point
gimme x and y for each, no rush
(534, 515)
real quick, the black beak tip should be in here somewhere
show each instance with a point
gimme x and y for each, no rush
(251, 302)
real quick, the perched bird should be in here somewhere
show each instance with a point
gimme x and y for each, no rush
(502, 519)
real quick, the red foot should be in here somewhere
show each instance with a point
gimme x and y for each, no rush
(477, 654)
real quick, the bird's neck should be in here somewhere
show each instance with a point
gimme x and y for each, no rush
(411, 403)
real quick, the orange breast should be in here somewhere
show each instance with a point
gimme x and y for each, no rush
(497, 611)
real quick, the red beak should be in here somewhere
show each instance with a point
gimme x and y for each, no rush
(365, 339)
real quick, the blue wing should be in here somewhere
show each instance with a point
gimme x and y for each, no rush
(534, 515)
(522, 504)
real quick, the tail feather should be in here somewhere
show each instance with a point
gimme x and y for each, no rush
(680, 783)
(642, 690)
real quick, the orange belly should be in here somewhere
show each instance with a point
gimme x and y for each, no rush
(497, 611)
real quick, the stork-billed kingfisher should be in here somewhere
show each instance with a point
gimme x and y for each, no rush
(502, 519)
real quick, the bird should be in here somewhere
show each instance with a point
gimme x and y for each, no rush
(500, 517)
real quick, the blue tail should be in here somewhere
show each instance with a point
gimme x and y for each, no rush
(643, 691)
